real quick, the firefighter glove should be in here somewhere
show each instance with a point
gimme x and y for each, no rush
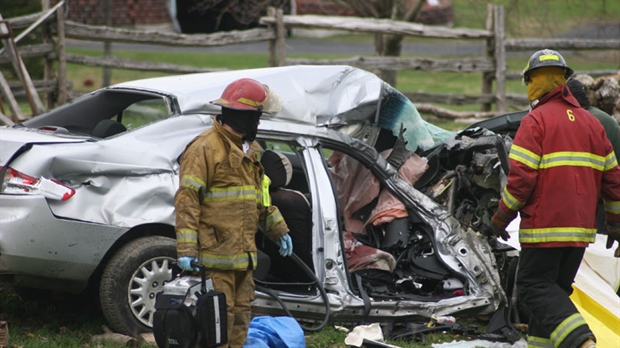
(185, 263)
(613, 234)
(498, 226)
(286, 245)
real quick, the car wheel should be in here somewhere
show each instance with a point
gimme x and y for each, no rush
(130, 281)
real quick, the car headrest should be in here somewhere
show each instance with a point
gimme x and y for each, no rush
(278, 168)
(107, 128)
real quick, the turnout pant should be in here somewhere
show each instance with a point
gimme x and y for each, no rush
(239, 289)
(544, 283)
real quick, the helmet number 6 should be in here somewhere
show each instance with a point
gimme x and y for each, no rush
(571, 117)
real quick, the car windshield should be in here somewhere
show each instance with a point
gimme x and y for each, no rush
(105, 113)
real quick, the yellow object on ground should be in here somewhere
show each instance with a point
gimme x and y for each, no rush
(594, 293)
(605, 336)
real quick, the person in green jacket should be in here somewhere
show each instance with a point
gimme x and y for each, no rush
(609, 123)
(613, 134)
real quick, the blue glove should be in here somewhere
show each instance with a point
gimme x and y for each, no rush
(286, 245)
(185, 263)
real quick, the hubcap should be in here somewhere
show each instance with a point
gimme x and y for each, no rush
(146, 282)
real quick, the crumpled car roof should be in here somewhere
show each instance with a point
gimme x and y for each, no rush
(329, 96)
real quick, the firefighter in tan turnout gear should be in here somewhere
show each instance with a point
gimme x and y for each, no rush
(223, 198)
(560, 162)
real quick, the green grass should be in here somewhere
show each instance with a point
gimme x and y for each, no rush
(80, 73)
(70, 321)
(433, 81)
(535, 18)
(67, 321)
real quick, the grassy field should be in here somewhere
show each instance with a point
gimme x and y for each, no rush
(534, 18)
(70, 321)
(437, 81)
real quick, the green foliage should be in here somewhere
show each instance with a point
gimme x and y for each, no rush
(12, 8)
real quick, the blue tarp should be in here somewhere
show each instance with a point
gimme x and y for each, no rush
(275, 332)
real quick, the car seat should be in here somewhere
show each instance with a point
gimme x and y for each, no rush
(107, 128)
(297, 214)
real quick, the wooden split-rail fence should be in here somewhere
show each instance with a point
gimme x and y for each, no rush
(491, 63)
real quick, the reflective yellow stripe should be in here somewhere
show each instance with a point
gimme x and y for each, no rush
(539, 342)
(524, 156)
(567, 326)
(249, 102)
(557, 234)
(574, 159)
(510, 201)
(612, 207)
(265, 182)
(246, 192)
(228, 262)
(548, 57)
(610, 161)
(186, 235)
(273, 219)
(192, 182)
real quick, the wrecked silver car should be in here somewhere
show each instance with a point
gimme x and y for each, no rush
(393, 203)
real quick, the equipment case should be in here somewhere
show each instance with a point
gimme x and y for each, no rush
(189, 313)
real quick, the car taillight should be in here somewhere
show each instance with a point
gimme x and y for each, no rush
(17, 182)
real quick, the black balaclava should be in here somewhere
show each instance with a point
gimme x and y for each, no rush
(576, 88)
(242, 121)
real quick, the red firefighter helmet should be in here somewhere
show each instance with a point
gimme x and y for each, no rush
(243, 94)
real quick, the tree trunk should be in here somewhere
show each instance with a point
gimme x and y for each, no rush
(391, 45)
(388, 46)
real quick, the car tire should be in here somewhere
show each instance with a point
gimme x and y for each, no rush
(131, 280)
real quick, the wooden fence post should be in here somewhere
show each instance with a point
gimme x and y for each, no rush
(500, 58)
(48, 72)
(13, 106)
(280, 37)
(62, 57)
(107, 45)
(273, 59)
(20, 68)
(489, 52)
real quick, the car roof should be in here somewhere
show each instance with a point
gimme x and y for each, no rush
(314, 95)
(327, 95)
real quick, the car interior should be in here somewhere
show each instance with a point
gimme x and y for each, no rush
(103, 113)
(392, 260)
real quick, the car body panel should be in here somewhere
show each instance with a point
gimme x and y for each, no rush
(32, 250)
